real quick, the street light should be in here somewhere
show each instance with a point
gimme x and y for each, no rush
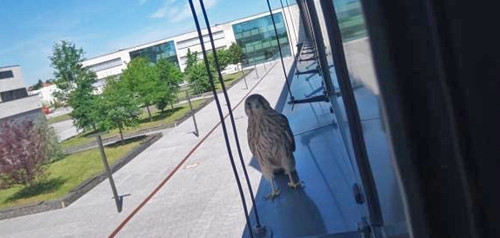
(118, 199)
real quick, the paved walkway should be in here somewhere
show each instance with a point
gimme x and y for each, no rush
(64, 129)
(199, 200)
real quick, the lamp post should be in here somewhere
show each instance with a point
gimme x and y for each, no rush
(196, 133)
(255, 68)
(118, 199)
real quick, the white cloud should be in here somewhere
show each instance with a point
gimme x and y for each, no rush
(177, 11)
(142, 2)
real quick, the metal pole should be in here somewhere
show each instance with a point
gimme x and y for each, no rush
(255, 68)
(108, 172)
(244, 77)
(221, 116)
(279, 49)
(192, 114)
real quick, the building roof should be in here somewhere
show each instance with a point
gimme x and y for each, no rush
(9, 66)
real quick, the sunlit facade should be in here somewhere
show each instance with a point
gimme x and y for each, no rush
(156, 52)
(14, 100)
(255, 34)
(257, 37)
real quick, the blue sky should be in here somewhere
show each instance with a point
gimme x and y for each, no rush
(30, 27)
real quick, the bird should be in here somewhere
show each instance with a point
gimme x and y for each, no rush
(271, 140)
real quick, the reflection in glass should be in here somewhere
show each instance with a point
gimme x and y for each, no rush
(156, 52)
(258, 39)
(366, 91)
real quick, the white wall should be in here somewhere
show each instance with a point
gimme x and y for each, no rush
(45, 94)
(12, 83)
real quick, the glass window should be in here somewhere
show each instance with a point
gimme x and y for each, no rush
(6, 74)
(13, 94)
(154, 53)
(258, 40)
(351, 20)
(360, 67)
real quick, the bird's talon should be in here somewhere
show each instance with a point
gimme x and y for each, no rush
(295, 185)
(273, 195)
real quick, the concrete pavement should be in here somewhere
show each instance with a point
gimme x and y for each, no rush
(199, 200)
(64, 129)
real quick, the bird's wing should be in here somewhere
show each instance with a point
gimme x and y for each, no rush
(251, 143)
(285, 126)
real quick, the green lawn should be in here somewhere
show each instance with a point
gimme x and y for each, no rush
(228, 79)
(159, 118)
(64, 175)
(59, 118)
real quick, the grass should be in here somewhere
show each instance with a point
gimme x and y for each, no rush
(59, 118)
(228, 79)
(166, 117)
(159, 118)
(63, 176)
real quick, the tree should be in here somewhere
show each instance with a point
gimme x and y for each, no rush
(170, 77)
(38, 85)
(191, 59)
(142, 79)
(66, 60)
(236, 53)
(199, 79)
(49, 136)
(86, 105)
(24, 147)
(224, 56)
(121, 108)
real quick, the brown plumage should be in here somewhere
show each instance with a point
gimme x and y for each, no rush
(270, 139)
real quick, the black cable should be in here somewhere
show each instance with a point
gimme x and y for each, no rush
(219, 109)
(279, 49)
(228, 103)
(287, 27)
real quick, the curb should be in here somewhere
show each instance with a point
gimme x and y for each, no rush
(81, 189)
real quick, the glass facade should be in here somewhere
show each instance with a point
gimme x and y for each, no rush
(351, 20)
(156, 52)
(258, 39)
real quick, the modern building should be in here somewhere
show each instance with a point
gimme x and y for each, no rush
(15, 103)
(255, 34)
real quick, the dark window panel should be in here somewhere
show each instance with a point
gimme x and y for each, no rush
(6, 74)
(13, 94)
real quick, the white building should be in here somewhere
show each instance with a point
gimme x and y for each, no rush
(255, 34)
(14, 100)
(45, 93)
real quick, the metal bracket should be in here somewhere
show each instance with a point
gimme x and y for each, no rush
(358, 194)
(313, 71)
(363, 228)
